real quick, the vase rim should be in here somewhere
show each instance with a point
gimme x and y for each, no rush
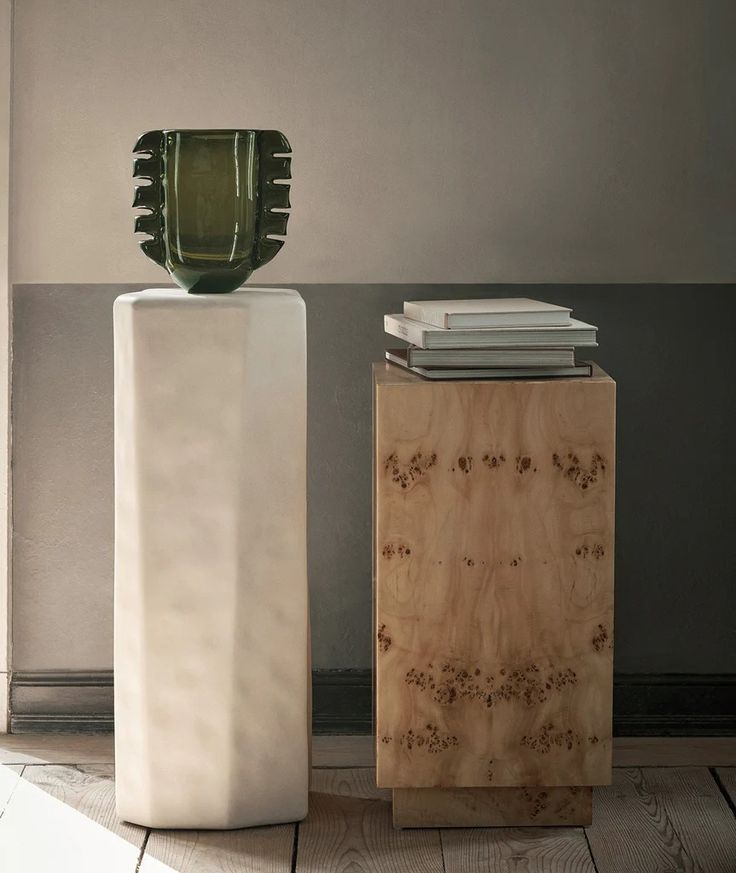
(209, 130)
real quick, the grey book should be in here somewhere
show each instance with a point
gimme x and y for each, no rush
(529, 357)
(577, 333)
(399, 356)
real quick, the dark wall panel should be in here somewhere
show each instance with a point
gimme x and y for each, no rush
(669, 347)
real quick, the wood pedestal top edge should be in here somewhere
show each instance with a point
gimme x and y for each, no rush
(385, 373)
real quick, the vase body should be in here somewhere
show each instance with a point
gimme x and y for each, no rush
(212, 671)
(214, 199)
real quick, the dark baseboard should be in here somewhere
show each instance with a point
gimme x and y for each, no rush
(342, 702)
(644, 704)
(61, 701)
(674, 704)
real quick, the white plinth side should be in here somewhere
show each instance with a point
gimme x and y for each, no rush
(211, 615)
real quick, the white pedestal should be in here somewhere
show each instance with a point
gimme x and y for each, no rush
(212, 672)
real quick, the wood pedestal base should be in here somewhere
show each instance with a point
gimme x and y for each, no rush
(492, 807)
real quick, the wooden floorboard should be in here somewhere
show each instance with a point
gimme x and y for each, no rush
(510, 850)
(727, 778)
(358, 751)
(353, 782)
(349, 830)
(88, 789)
(62, 819)
(251, 850)
(56, 749)
(663, 819)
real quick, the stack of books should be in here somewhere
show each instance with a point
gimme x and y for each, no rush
(489, 339)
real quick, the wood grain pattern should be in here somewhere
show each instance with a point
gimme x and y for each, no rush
(349, 829)
(251, 850)
(494, 581)
(663, 819)
(727, 775)
(491, 807)
(56, 749)
(357, 782)
(505, 850)
(90, 790)
(62, 818)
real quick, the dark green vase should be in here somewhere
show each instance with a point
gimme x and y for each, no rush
(211, 203)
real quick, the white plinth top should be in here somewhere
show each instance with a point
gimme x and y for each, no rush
(240, 297)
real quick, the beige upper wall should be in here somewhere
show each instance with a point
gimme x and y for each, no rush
(433, 141)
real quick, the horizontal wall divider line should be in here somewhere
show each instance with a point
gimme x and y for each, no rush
(654, 704)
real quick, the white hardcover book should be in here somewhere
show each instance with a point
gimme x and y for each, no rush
(426, 336)
(491, 312)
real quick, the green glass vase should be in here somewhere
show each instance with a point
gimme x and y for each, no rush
(214, 203)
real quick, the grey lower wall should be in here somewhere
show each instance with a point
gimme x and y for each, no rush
(668, 347)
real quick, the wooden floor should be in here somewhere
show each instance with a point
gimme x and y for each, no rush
(670, 808)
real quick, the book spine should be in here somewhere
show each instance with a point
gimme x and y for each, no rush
(407, 332)
(418, 313)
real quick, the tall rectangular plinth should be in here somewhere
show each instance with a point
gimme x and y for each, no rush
(494, 527)
(211, 618)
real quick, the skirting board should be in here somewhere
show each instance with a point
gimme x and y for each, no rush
(644, 704)
(68, 701)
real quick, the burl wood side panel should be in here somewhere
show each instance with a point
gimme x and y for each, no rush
(494, 581)
(491, 807)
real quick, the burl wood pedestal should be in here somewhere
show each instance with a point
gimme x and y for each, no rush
(494, 514)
